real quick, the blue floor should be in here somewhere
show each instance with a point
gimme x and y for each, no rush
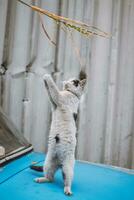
(91, 182)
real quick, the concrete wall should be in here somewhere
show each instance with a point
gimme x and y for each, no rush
(106, 130)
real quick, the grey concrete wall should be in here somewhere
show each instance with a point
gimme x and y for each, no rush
(106, 131)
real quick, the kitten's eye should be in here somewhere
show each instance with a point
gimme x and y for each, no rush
(76, 82)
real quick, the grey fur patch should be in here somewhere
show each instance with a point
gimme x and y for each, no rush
(82, 75)
(75, 116)
(64, 175)
(57, 138)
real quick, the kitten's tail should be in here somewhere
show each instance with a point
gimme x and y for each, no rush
(36, 168)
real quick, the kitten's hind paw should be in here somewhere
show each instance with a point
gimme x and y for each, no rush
(42, 180)
(67, 191)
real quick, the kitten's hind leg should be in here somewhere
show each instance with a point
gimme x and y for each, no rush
(67, 171)
(49, 173)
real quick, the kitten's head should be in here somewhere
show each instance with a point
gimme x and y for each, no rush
(76, 86)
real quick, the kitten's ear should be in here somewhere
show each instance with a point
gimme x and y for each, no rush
(82, 74)
(83, 83)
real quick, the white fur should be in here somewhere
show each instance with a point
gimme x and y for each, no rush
(61, 154)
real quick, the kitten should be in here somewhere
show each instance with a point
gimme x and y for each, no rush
(62, 137)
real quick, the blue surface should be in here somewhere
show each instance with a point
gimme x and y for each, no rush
(91, 182)
(18, 165)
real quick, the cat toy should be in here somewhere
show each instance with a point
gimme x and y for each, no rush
(79, 26)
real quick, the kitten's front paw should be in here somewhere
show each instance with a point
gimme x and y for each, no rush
(67, 191)
(47, 76)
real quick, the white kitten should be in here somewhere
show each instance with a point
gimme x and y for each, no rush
(62, 137)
